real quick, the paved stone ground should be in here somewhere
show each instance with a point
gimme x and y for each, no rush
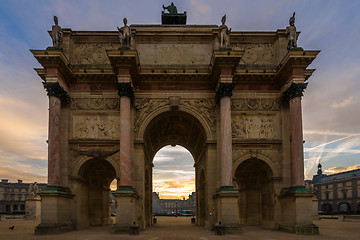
(180, 228)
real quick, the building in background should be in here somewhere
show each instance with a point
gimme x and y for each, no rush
(14, 195)
(337, 192)
(173, 206)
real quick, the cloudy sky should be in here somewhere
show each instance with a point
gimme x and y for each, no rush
(330, 105)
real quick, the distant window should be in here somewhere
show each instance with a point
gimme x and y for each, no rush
(15, 208)
(326, 186)
(22, 207)
(327, 196)
(344, 195)
(7, 208)
(344, 184)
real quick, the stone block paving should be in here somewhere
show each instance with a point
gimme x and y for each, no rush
(179, 228)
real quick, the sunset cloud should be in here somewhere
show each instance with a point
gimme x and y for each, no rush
(334, 170)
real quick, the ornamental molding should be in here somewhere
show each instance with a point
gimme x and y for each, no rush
(256, 104)
(95, 104)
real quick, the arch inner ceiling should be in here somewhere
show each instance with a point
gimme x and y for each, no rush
(175, 128)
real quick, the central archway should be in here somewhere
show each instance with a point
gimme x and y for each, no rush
(176, 128)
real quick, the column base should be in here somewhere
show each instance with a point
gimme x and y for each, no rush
(221, 229)
(227, 215)
(122, 229)
(53, 228)
(296, 211)
(125, 211)
(56, 211)
(306, 229)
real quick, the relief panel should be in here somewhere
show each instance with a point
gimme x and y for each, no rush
(174, 54)
(95, 127)
(256, 54)
(253, 126)
(93, 53)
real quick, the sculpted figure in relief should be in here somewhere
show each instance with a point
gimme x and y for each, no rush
(125, 35)
(56, 34)
(291, 33)
(224, 34)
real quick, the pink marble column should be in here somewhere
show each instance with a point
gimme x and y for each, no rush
(226, 141)
(54, 141)
(125, 142)
(297, 151)
(56, 95)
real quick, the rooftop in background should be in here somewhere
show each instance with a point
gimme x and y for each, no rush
(322, 178)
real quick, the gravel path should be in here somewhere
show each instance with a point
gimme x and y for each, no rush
(179, 228)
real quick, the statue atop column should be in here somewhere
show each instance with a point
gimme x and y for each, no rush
(291, 33)
(125, 35)
(224, 34)
(56, 34)
(171, 8)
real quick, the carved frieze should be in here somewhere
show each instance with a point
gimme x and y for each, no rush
(255, 126)
(93, 53)
(257, 104)
(95, 127)
(95, 103)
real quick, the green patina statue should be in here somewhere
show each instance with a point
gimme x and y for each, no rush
(171, 8)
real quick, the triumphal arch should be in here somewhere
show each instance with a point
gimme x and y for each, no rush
(232, 98)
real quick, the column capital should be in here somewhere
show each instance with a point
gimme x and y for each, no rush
(55, 90)
(125, 90)
(224, 90)
(295, 90)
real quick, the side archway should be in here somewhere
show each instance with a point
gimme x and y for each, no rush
(93, 202)
(254, 178)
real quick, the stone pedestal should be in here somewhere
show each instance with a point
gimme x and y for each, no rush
(55, 211)
(296, 211)
(33, 208)
(125, 210)
(227, 209)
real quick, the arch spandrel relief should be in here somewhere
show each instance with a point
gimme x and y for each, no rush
(147, 108)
